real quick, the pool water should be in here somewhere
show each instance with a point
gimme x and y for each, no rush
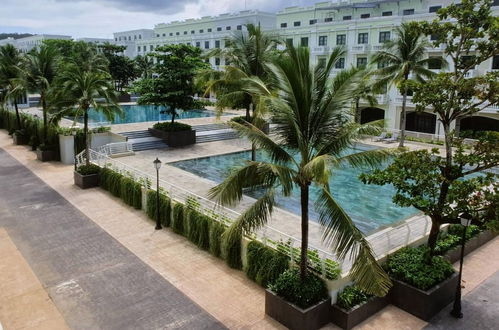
(143, 113)
(369, 206)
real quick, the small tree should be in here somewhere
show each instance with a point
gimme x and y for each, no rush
(11, 63)
(173, 88)
(121, 68)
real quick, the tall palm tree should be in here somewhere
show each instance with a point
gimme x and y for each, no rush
(314, 129)
(39, 73)
(402, 58)
(10, 71)
(145, 65)
(85, 89)
(248, 54)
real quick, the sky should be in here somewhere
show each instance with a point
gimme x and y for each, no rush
(100, 18)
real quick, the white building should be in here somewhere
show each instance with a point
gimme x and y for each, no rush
(96, 41)
(28, 43)
(130, 38)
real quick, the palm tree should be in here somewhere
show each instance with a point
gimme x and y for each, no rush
(145, 65)
(314, 128)
(39, 73)
(401, 58)
(85, 89)
(10, 72)
(248, 55)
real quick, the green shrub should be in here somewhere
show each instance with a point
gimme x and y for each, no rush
(409, 265)
(215, 238)
(304, 294)
(88, 169)
(178, 219)
(452, 239)
(131, 192)
(231, 250)
(164, 207)
(111, 181)
(457, 230)
(264, 264)
(172, 127)
(199, 229)
(351, 296)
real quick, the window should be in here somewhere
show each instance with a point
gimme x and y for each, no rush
(321, 62)
(219, 29)
(382, 65)
(151, 48)
(433, 9)
(192, 32)
(340, 63)
(289, 41)
(135, 37)
(206, 45)
(362, 38)
(217, 43)
(341, 39)
(495, 62)
(116, 39)
(198, 44)
(140, 36)
(365, 15)
(361, 62)
(434, 37)
(144, 48)
(130, 37)
(171, 34)
(328, 19)
(408, 12)
(209, 30)
(347, 18)
(386, 13)
(178, 33)
(188, 44)
(138, 48)
(312, 21)
(467, 62)
(217, 60)
(185, 32)
(227, 28)
(434, 63)
(283, 25)
(239, 27)
(322, 40)
(201, 31)
(384, 36)
(304, 41)
(297, 23)
(495, 3)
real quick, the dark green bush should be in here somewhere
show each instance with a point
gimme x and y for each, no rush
(304, 294)
(452, 239)
(111, 181)
(199, 228)
(215, 237)
(351, 296)
(409, 265)
(131, 192)
(172, 127)
(231, 250)
(178, 225)
(264, 264)
(457, 230)
(164, 207)
(88, 169)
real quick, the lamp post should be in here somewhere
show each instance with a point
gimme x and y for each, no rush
(456, 310)
(157, 165)
(74, 130)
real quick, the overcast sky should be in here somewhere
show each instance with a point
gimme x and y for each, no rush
(100, 18)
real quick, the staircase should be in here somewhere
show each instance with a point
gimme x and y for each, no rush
(143, 140)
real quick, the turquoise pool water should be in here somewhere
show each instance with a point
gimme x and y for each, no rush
(143, 113)
(369, 206)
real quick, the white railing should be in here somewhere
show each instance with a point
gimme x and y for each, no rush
(420, 135)
(383, 242)
(116, 148)
(360, 48)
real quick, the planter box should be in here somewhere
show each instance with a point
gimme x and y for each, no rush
(471, 245)
(45, 155)
(347, 319)
(86, 181)
(294, 317)
(19, 139)
(175, 139)
(423, 304)
(124, 98)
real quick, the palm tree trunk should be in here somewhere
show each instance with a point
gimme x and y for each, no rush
(402, 118)
(86, 137)
(18, 117)
(304, 231)
(357, 111)
(45, 119)
(173, 113)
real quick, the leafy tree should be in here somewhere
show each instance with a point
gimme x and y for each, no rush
(314, 128)
(144, 66)
(401, 58)
(176, 67)
(11, 62)
(418, 178)
(121, 68)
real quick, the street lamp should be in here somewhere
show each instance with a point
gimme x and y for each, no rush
(74, 130)
(456, 310)
(157, 165)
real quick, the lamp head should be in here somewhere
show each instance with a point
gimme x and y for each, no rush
(157, 163)
(465, 218)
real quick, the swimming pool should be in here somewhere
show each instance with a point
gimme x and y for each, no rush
(369, 206)
(143, 113)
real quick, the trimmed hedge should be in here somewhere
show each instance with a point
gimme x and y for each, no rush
(231, 250)
(121, 186)
(165, 209)
(178, 225)
(264, 264)
(198, 228)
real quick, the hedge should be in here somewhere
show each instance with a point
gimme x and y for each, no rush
(165, 208)
(198, 228)
(178, 219)
(264, 264)
(121, 186)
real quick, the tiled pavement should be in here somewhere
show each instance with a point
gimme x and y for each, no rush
(94, 280)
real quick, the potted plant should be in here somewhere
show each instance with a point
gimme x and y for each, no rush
(354, 306)
(175, 134)
(20, 137)
(45, 152)
(422, 285)
(298, 304)
(87, 176)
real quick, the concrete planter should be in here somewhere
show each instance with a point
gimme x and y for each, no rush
(293, 316)
(45, 155)
(175, 139)
(19, 139)
(471, 245)
(347, 319)
(86, 181)
(423, 304)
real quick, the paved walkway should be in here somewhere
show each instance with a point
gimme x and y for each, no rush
(94, 280)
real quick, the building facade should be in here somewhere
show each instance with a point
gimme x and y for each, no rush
(131, 38)
(28, 43)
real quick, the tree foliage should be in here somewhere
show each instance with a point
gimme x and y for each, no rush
(121, 68)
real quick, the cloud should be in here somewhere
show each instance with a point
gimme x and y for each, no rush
(163, 6)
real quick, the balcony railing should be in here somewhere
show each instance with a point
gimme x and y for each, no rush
(361, 48)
